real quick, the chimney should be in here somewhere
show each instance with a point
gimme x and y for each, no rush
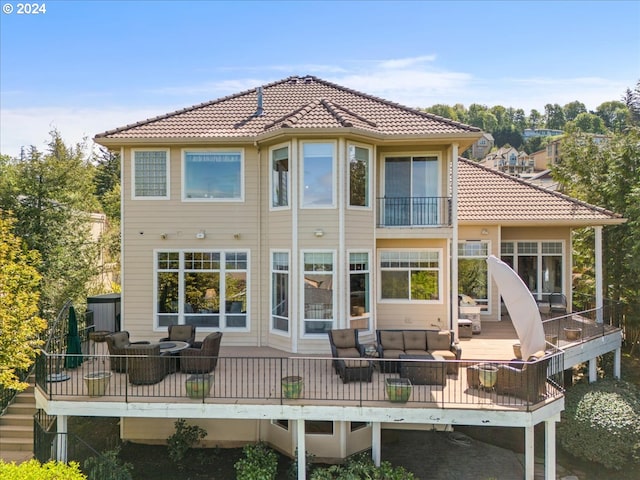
(259, 110)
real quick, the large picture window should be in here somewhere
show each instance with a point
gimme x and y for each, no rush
(150, 174)
(411, 275)
(318, 182)
(473, 275)
(538, 263)
(318, 277)
(280, 177)
(204, 288)
(280, 292)
(358, 176)
(213, 175)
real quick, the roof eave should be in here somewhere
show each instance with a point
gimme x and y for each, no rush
(599, 222)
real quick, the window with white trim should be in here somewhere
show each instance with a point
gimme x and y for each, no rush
(280, 292)
(318, 277)
(280, 177)
(358, 176)
(473, 275)
(410, 275)
(213, 175)
(150, 173)
(538, 263)
(359, 293)
(203, 288)
(318, 175)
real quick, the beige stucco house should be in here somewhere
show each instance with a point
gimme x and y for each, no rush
(279, 213)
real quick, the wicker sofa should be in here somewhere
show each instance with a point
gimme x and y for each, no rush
(524, 380)
(391, 344)
(117, 344)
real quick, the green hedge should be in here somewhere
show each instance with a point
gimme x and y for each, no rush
(601, 423)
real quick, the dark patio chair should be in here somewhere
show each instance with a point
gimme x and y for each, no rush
(202, 357)
(557, 303)
(146, 365)
(181, 333)
(345, 349)
(117, 342)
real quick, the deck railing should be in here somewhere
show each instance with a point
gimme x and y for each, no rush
(258, 380)
(414, 212)
(579, 326)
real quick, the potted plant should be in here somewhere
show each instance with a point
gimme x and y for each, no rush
(292, 387)
(572, 333)
(198, 385)
(398, 389)
(97, 382)
(488, 375)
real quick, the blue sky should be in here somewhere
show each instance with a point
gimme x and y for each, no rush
(85, 66)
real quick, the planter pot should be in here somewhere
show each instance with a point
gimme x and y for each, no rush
(572, 334)
(292, 387)
(517, 350)
(198, 385)
(398, 389)
(488, 375)
(97, 383)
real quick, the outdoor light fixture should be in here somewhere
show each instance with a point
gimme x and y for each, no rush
(319, 233)
(201, 234)
(484, 231)
(236, 236)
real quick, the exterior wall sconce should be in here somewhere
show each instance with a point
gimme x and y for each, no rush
(319, 233)
(163, 236)
(201, 235)
(236, 236)
(484, 231)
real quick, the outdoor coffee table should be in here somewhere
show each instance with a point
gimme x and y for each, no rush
(172, 346)
(423, 373)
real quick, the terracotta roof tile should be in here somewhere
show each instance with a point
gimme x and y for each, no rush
(295, 102)
(486, 195)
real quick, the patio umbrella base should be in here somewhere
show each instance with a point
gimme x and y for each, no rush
(58, 377)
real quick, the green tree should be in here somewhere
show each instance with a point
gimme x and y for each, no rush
(33, 470)
(443, 110)
(616, 115)
(589, 123)
(51, 196)
(608, 175)
(573, 109)
(535, 119)
(554, 116)
(520, 120)
(507, 135)
(20, 325)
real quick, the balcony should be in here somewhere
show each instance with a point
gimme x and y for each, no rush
(414, 212)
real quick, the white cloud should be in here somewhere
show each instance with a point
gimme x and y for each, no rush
(406, 62)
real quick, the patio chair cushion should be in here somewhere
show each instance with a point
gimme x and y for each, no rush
(393, 353)
(351, 352)
(391, 341)
(438, 340)
(181, 333)
(415, 340)
(120, 339)
(344, 338)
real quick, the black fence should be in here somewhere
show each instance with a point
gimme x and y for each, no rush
(414, 212)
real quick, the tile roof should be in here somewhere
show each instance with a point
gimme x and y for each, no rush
(292, 103)
(487, 195)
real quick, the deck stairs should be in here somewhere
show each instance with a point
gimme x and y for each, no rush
(16, 427)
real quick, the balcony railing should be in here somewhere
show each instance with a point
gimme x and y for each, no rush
(414, 212)
(258, 381)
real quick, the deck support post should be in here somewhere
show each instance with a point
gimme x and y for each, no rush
(617, 358)
(598, 268)
(376, 444)
(301, 450)
(61, 438)
(550, 448)
(529, 457)
(593, 370)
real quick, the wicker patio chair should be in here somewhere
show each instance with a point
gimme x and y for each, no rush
(181, 333)
(146, 364)
(202, 357)
(345, 348)
(117, 342)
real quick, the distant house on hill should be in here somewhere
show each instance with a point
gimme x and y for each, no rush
(540, 132)
(482, 146)
(509, 160)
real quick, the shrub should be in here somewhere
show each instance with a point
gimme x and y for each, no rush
(185, 437)
(259, 463)
(362, 466)
(34, 470)
(108, 466)
(601, 423)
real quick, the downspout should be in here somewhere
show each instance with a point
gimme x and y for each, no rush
(293, 259)
(123, 317)
(261, 248)
(343, 270)
(453, 319)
